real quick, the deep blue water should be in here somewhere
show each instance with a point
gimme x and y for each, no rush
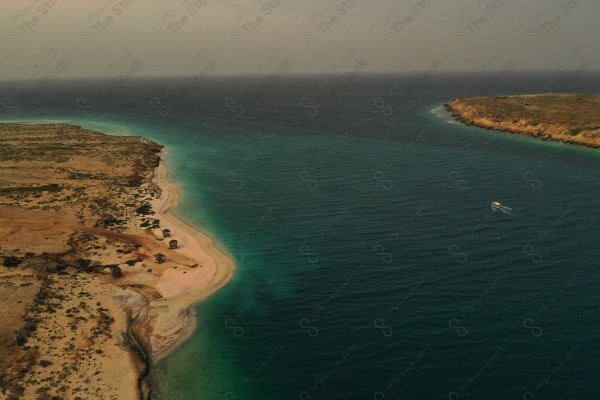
(370, 264)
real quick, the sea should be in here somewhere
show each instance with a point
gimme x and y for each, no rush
(370, 264)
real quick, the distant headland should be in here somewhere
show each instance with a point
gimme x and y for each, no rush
(568, 118)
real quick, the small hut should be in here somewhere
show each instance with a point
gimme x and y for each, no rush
(160, 258)
(172, 244)
(166, 233)
(156, 223)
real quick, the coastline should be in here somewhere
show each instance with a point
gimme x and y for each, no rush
(86, 307)
(565, 118)
(171, 320)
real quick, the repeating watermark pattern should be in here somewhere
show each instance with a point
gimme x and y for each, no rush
(530, 250)
(544, 307)
(342, 74)
(179, 375)
(308, 175)
(474, 19)
(231, 322)
(568, 71)
(193, 73)
(174, 20)
(10, 107)
(417, 74)
(549, 19)
(325, 19)
(381, 324)
(396, 21)
(532, 175)
(233, 247)
(100, 20)
(25, 20)
(9, 324)
(199, 133)
(470, 380)
(306, 324)
(543, 234)
(382, 176)
(6, 177)
(247, 380)
(321, 233)
(57, 68)
(455, 248)
(47, 70)
(234, 175)
(491, 76)
(469, 308)
(380, 248)
(532, 324)
(269, 72)
(320, 307)
(457, 177)
(396, 235)
(454, 322)
(322, 380)
(246, 234)
(380, 395)
(528, 394)
(414, 78)
(249, 20)
(121, 71)
(307, 249)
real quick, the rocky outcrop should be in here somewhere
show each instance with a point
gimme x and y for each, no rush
(568, 118)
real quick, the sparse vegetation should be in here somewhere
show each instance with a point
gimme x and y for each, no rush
(563, 117)
(64, 188)
(30, 189)
(145, 209)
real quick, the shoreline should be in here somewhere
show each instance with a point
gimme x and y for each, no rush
(563, 118)
(90, 306)
(174, 320)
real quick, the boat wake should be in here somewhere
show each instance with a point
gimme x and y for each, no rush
(508, 210)
(497, 207)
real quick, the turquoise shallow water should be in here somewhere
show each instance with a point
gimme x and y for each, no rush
(370, 264)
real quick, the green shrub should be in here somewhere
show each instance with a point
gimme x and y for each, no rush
(11, 261)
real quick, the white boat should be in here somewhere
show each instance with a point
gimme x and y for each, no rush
(496, 206)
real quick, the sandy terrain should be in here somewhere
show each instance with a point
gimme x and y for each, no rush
(182, 286)
(83, 303)
(569, 118)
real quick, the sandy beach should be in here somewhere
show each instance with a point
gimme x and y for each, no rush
(170, 319)
(85, 306)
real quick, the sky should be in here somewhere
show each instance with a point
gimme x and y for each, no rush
(51, 39)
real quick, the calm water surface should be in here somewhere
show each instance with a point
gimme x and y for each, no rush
(370, 264)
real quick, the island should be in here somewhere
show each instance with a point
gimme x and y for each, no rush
(97, 275)
(568, 118)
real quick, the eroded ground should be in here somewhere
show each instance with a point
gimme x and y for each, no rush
(74, 209)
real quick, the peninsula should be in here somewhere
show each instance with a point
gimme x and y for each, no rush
(97, 276)
(569, 118)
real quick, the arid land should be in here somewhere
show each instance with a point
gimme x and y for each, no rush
(568, 118)
(85, 308)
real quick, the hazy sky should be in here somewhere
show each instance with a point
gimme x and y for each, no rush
(130, 38)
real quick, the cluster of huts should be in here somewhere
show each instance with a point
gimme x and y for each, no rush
(160, 257)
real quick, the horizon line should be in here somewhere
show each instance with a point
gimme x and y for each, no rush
(303, 74)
